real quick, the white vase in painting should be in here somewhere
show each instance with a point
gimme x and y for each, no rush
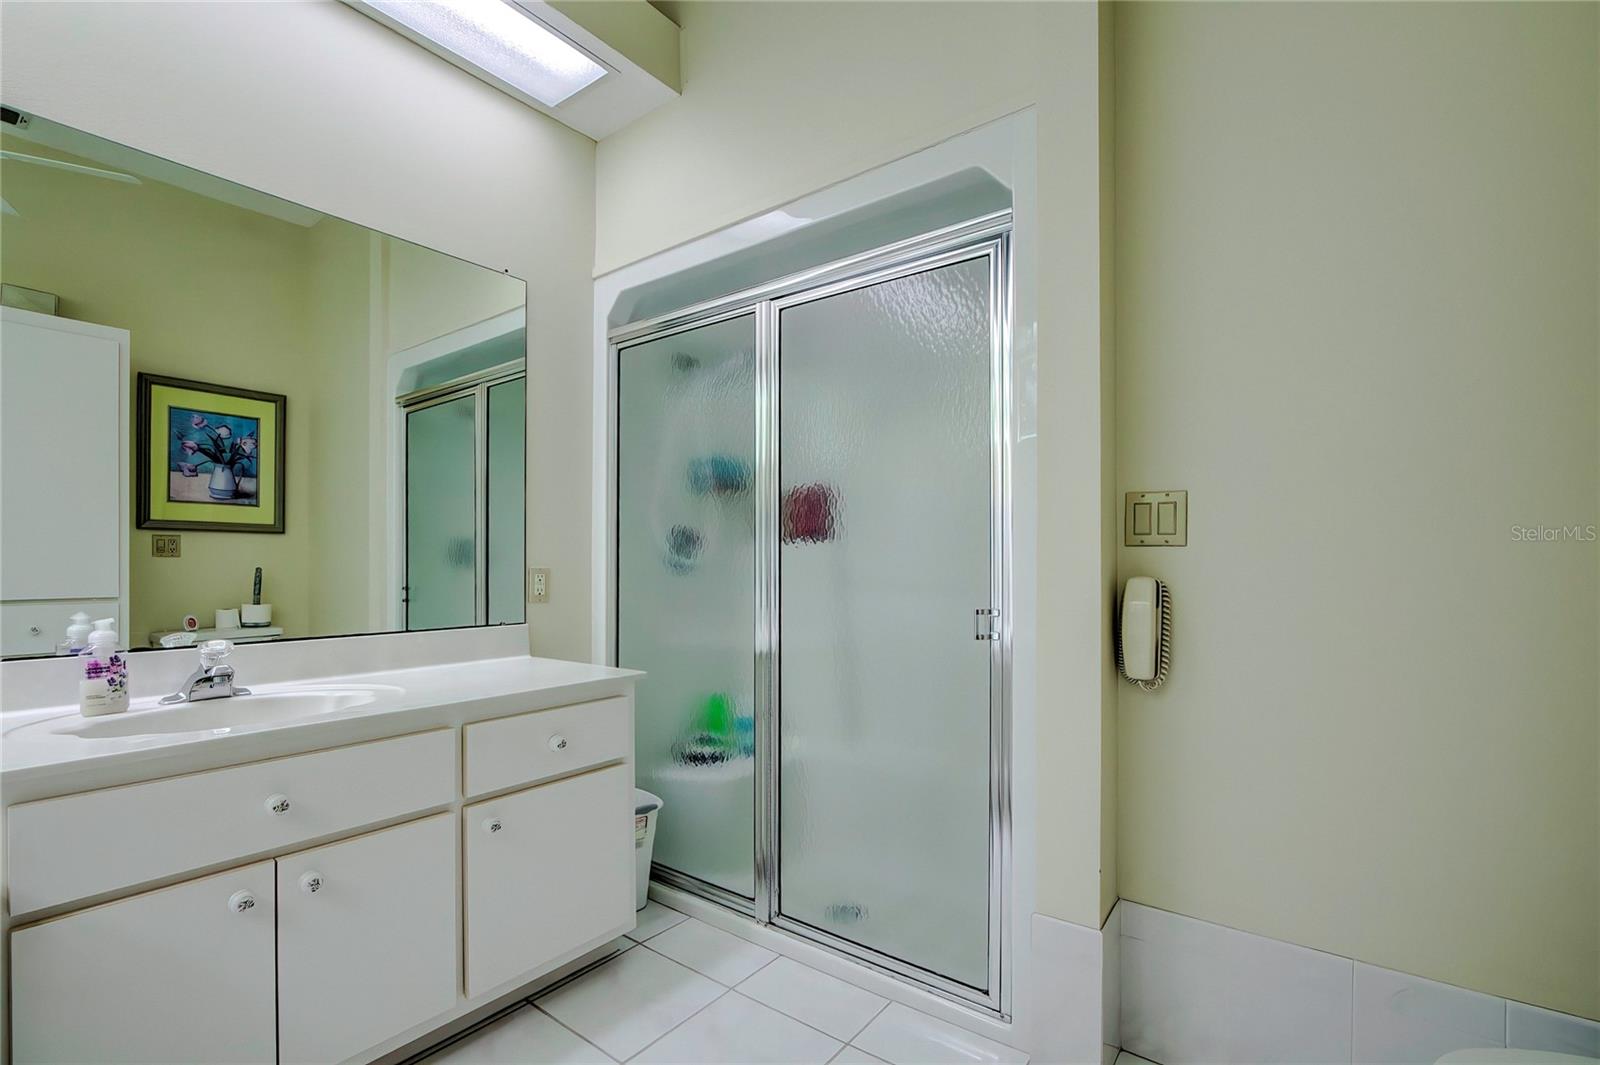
(223, 484)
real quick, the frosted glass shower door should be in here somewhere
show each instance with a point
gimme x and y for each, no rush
(441, 579)
(686, 567)
(886, 505)
(507, 476)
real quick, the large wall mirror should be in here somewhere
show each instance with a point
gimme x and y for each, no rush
(227, 415)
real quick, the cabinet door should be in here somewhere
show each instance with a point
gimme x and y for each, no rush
(61, 530)
(183, 974)
(547, 870)
(366, 939)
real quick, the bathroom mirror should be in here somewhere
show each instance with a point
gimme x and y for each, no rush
(225, 414)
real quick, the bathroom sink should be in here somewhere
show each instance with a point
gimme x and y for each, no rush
(239, 713)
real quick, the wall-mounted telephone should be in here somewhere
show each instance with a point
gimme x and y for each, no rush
(1144, 632)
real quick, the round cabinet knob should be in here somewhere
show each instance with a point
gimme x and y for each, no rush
(311, 882)
(33, 630)
(241, 901)
(277, 804)
(492, 825)
(558, 742)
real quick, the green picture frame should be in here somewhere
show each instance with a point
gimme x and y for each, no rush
(209, 458)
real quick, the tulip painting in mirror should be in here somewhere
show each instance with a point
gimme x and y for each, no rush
(209, 456)
(212, 458)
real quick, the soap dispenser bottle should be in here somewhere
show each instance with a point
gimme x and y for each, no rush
(77, 640)
(104, 688)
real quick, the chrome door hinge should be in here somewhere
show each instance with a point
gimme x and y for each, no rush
(986, 624)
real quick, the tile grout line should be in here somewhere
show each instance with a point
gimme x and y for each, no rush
(791, 1017)
(726, 991)
(752, 976)
(708, 976)
(886, 1004)
(733, 989)
(640, 942)
(576, 1034)
(573, 979)
(511, 1008)
(850, 1042)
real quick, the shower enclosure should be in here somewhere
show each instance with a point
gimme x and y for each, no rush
(463, 505)
(811, 509)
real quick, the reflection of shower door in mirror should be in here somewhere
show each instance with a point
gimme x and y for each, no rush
(811, 567)
(464, 510)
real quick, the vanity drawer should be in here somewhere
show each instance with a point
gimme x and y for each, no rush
(76, 846)
(509, 751)
(35, 626)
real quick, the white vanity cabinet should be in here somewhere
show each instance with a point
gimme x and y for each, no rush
(366, 939)
(122, 837)
(378, 895)
(181, 974)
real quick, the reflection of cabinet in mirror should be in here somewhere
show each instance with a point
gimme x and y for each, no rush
(64, 467)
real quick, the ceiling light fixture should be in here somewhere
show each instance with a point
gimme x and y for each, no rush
(498, 41)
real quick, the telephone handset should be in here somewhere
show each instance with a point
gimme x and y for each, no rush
(1144, 632)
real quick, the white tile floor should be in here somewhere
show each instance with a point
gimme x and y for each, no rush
(690, 993)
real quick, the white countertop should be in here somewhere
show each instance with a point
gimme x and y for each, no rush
(43, 751)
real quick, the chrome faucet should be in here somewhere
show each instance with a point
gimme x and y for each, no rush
(213, 680)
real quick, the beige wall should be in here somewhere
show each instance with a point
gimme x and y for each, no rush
(339, 301)
(852, 87)
(429, 295)
(146, 258)
(1356, 318)
(226, 295)
(318, 104)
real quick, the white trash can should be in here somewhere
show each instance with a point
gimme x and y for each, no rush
(645, 809)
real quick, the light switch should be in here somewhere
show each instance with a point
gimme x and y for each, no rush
(1156, 519)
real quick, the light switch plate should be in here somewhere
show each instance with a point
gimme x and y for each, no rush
(166, 545)
(1156, 519)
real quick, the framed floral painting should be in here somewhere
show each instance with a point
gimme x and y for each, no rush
(209, 457)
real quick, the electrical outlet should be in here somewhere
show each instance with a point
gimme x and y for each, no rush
(538, 586)
(166, 545)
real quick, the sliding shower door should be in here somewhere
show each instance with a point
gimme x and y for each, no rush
(464, 506)
(686, 569)
(811, 568)
(884, 448)
(441, 575)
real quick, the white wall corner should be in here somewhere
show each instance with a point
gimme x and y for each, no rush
(1111, 984)
(1068, 1014)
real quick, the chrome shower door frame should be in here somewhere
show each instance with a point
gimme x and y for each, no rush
(988, 238)
(476, 385)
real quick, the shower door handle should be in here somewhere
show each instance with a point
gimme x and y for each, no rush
(986, 624)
